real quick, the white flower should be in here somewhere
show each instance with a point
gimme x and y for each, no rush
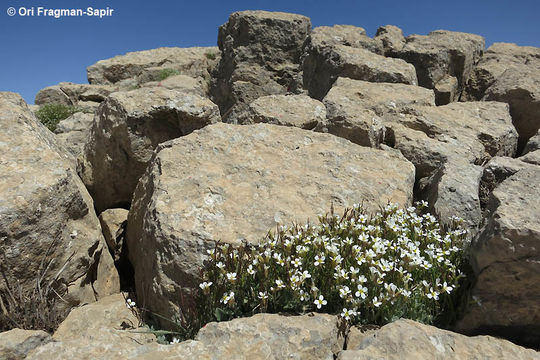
(205, 285)
(220, 265)
(305, 275)
(231, 276)
(432, 294)
(362, 292)
(354, 270)
(362, 279)
(304, 296)
(250, 270)
(447, 288)
(348, 313)
(297, 262)
(227, 298)
(280, 284)
(175, 341)
(320, 302)
(376, 302)
(263, 295)
(130, 303)
(319, 260)
(344, 292)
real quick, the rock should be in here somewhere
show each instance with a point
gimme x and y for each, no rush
(496, 60)
(46, 214)
(126, 129)
(391, 38)
(138, 67)
(80, 95)
(532, 157)
(113, 223)
(323, 65)
(183, 84)
(73, 132)
(442, 53)
(288, 110)
(15, 344)
(355, 108)
(348, 35)
(106, 329)
(232, 183)
(533, 143)
(505, 258)
(446, 90)
(519, 87)
(260, 56)
(271, 336)
(427, 342)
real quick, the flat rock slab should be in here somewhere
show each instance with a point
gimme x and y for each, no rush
(410, 340)
(237, 182)
(15, 344)
(46, 214)
(505, 258)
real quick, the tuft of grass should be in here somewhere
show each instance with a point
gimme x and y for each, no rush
(165, 73)
(51, 114)
(210, 55)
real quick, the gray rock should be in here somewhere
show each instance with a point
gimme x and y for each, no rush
(392, 39)
(288, 110)
(126, 129)
(182, 83)
(532, 157)
(427, 342)
(15, 344)
(46, 214)
(348, 35)
(79, 95)
(533, 143)
(236, 182)
(113, 223)
(505, 258)
(446, 90)
(73, 132)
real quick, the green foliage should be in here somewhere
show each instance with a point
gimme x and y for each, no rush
(210, 55)
(165, 73)
(51, 114)
(369, 269)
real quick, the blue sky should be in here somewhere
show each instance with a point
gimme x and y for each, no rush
(36, 52)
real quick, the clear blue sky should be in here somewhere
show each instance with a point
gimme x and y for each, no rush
(37, 52)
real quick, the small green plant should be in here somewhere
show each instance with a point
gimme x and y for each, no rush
(51, 114)
(165, 73)
(210, 55)
(398, 263)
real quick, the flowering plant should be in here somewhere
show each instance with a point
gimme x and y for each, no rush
(371, 269)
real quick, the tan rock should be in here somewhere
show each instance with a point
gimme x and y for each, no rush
(240, 182)
(81, 95)
(446, 90)
(46, 214)
(391, 38)
(126, 129)
(347, 35)
(288, 110)
(73, 132)
(15, 344)
(113, 223)
(409, 340)
(182, 83)
(533, 143)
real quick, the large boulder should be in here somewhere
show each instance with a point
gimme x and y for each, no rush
(323, 64)
(127, 128)
(80, 95)
(440, 54)
(506, 262)
(260, 56)
(73, 132)
(135, 68)
(410, 340)
(48, 227)
(236, 182)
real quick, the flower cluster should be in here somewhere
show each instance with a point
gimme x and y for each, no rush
(368, 268)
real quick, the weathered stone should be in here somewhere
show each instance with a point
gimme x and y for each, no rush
(532, 157)
(73, 132)
(81, 95)
(149, 65)
(409, 340)
(182, 83)
(323, 65)
(506, 262)
(446, 90)
(391, 38)
(232, 183)
(260, 56)
(496, 60)
(442, 53)
(113, 223)
(347, 35)
(46, 214)
(289, 110)
(126, 129)
(520, 88)
(15, 344)
(533, 143)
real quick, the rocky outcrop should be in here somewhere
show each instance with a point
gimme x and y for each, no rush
(392, 39)
(183, 84)
(135, 68)
(48, 227)
(126, 129)
(80, 95)
(505, 259)
(441, 54)
(234, 183)
(427, 342)
(288, 110)
(260, 56)
(73, 132)
(17, 343)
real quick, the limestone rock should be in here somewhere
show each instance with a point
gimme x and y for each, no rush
(182, 83)
(505, 258)
(289, 110)
(80, 95)
(391, 38)
(73, 132)
(260, 56)
(15, 344)
(46, 214)
(442, 53)
(409, 340)
(446, 90)
(126, 129)
(348, 35)
(113, 223)
(232, 183)
(138, 67)
(532, 157)
(323, 65)
(533, 143)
